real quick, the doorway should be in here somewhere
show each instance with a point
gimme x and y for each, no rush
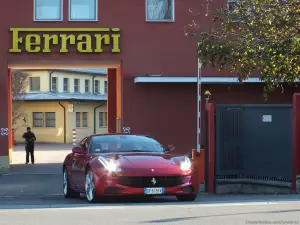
(114, 94)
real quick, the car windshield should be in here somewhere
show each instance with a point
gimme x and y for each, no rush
(124, 143)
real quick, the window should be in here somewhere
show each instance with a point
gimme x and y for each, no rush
(78, 119)
(87, 85)
(38, 119)
(84, 119)
(54, 84)
(76, 85)
(160, 10)
(83, 10)
(81, 119)
(96, 86)
(66, 84)
(102, 119)
(105, 87)
(231, 4)
(50, 119)
(233, 11)
(48, 10)
(34, 83)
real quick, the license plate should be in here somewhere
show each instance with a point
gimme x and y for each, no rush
(154, 191)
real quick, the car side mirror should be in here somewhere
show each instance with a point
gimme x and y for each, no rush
(77, 150)
(170, 148)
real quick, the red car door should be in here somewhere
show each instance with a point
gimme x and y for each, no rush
(76, 167)
(81, 161)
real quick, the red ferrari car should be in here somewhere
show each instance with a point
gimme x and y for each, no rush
(124, 165)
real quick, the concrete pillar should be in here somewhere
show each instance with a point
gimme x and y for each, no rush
(211, 146)
(9, 120)
(296, 147)
(5, 121)
(111, 100)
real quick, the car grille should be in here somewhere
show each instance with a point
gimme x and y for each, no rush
(141, 182)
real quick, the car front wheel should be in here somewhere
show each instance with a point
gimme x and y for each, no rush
(186, 198)
(68, 191)
(90, 189)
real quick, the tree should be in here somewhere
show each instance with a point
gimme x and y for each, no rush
(254, 37)
(19, 81)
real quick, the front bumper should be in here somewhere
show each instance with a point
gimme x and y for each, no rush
(110, 185)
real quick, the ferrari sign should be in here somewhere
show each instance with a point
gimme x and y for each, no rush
(47, 40)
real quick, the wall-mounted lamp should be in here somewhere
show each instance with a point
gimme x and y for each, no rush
(207, 95)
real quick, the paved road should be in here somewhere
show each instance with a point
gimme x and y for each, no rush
(31, 194)
(206, 212)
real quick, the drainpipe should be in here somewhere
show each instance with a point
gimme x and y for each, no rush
(65, 125)
(93, 83)
(95, 124)
(50, 81)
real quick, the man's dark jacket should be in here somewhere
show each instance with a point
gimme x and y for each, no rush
(29, 140)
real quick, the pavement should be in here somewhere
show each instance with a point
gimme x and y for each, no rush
(32, 194)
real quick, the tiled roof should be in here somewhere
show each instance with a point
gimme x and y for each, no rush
(47, 96)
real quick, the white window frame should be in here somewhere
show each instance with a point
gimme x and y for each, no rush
(172, 20)
(89, 20)
(41, 20)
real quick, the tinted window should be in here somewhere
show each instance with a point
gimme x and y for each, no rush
(124, 143)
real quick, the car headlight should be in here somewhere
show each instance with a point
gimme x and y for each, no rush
(186, 165)
(110, 165)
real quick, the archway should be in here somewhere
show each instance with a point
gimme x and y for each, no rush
(114, 95)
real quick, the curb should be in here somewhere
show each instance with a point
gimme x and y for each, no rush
(22, 174)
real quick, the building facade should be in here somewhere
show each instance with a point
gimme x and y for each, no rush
(152, 66)
(58, 101)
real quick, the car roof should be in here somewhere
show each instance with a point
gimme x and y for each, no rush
(131, 134)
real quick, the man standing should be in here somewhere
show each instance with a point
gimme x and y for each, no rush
(29, 144)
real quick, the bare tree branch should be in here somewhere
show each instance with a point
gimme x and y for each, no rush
(19, 81)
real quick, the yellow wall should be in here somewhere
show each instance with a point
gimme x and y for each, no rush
(42, 134)
(84, 131)
(44, 80)
(56, 135)
(82, 77)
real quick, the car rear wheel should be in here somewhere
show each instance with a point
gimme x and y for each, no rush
(90, 189)
(186, 198)
(68, 191)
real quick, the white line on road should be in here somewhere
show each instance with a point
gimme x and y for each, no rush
(105, 207)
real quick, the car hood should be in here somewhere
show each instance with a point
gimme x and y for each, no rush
(142, 162)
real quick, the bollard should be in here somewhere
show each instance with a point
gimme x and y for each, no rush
(74, 136)
(198, 161)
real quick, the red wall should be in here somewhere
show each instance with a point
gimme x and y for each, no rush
(164, 111)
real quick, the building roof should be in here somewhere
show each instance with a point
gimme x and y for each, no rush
(89, 71)
(52, 96)
(99, 72)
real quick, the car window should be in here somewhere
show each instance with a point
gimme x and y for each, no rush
(124, 143)
(82, 141)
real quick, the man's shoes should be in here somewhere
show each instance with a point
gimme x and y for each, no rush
(26, 162)
(32, 162)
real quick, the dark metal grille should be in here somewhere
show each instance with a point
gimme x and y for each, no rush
(249, 147)
(141, 182)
